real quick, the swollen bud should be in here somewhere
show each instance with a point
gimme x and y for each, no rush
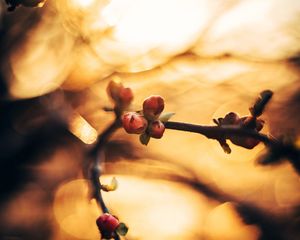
(134, 123)
(113, 89)
(107, 224)
(252, 123)
(121, 96)
(248, 122)
(125, 96)
(231, 118)
(247, 142)
(259, 124)
(157, 129)
(153, 107)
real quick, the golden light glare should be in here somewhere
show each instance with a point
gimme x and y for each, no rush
(74, 212)
(239, 24)
(82, 3)
(223, 223)
(137, 26)
(172, 210)
(82, 129)
(34, 65)
(206, 58)
(287, 192)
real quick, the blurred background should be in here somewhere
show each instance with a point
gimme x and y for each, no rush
(206, 58)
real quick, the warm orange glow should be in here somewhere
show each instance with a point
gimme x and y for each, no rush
(172, 210)
(82, 3)
(206, 58)
(75, 213)
(137, 27)
(223, 223)
(240, 23)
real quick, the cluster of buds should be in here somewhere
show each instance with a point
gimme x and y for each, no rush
(120, 95)
(26, 3)
(109, 226)
(246, 122)
(146, 122)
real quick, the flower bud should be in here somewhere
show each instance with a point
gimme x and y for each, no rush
(249, 122)
(153, 106)
(252, 123)
(251, 143)
(246, 142)
(259, 124)
(107, 224)
(134, 123)
(125, 96)
(157, 129)
(113, 89)
(231, 118)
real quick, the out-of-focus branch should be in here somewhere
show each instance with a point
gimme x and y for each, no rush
(269, 224)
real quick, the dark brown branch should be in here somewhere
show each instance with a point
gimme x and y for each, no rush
(98, 155)
(217, 132)
(278, 149)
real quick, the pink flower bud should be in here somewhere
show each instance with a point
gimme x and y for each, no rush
(107, 224)
(153, 106)
(125, 96)
(157, 129)
(120, 95)
(113, 89)
(134, 123)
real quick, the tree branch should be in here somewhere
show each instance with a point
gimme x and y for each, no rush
(217, 132)
(98, 155)
(278, 149)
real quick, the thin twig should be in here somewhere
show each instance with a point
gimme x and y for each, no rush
(98, 155)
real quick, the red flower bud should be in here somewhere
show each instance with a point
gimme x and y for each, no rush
(153, 106)
(120, 95)
(125, 96)
(113, 89)
(134, 123)
(107, 224)
(157, 129)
